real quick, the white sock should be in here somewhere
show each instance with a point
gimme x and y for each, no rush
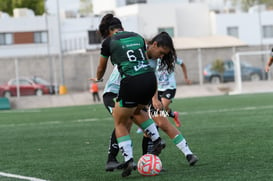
(181, 144)
(150, 129)
(126, 148)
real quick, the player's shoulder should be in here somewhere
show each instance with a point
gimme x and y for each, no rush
(106, 41)
(179, 61)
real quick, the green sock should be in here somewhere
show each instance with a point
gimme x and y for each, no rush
(149, 128)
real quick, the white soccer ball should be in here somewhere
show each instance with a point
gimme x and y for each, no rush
(149, 165)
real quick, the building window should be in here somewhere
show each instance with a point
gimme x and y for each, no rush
(40, 37)
(169, 30)
(93, 38)
(6, 38)
(128, 2)
(233, 31)
(268, 31)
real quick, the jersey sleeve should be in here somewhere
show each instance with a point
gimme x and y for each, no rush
(179, 61)
(105, 48)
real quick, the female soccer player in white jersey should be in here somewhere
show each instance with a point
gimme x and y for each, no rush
(166, 83)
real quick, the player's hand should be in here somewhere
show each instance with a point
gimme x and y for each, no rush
(188, 81)
(95, 80)
(267, 68)
(157, 104)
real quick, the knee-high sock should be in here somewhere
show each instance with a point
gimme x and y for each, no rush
(125, 145)
(171, 113)
(150, 129)
(113, 147)
(147, 145)
(181, 144)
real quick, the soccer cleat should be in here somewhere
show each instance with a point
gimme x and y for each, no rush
(176, 119)
(192, 159)
(163, 170)
(129, 166)
(158, 146)
(112, 165)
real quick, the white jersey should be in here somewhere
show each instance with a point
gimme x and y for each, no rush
(113, 83)
(166, 80)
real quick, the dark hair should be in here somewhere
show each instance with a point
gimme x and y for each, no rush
(109, 22)
(163, 39)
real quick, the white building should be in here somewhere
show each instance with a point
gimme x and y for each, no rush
(29, 35)
(101, 6)
(253, 28)
(39, 35)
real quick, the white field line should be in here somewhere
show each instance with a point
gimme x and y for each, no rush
(110, 118)
(229, 110)
(20, 111)
(20, 177)
(56, 122)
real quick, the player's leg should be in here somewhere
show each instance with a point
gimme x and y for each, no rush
(97, 96)
(113, 149)
(149, 127)
(121, 116)
(177, 138)
(166, 99)
(135, 91)
(94, 97)
(112, 162)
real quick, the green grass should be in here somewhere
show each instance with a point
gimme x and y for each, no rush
(231, 135)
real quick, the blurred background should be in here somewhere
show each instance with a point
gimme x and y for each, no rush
(57, 40)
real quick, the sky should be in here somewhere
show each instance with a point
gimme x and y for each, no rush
(98, 5)
(63, 5)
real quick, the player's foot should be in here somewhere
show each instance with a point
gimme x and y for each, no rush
(192, 159)
(163, 170)
(176, 119)
(158, 146)
(112, 165)
(129, 166)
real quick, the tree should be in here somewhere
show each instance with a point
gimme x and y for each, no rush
(38, 6)
(218, 66)
(5, 6)
(246, 4)
(86, 7)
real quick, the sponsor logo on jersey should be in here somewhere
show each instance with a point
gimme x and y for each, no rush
(128, 102)
(168, 95)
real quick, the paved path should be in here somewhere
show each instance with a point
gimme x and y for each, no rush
(183, 91)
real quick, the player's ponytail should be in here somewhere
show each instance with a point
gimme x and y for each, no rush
(109, 22)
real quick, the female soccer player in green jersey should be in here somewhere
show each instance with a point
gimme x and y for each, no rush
(111, 91)
(138, 83)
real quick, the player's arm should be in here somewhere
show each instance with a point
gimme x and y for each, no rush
(101, 67)
(185, 73)
(105, 54)
(268, 64)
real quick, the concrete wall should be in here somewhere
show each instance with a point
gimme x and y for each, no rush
(79, 67)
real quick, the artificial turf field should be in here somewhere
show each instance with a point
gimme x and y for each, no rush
(231, 135)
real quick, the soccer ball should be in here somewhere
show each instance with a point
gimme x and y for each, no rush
(149, 165)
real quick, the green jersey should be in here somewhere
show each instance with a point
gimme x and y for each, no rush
(127, 50)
